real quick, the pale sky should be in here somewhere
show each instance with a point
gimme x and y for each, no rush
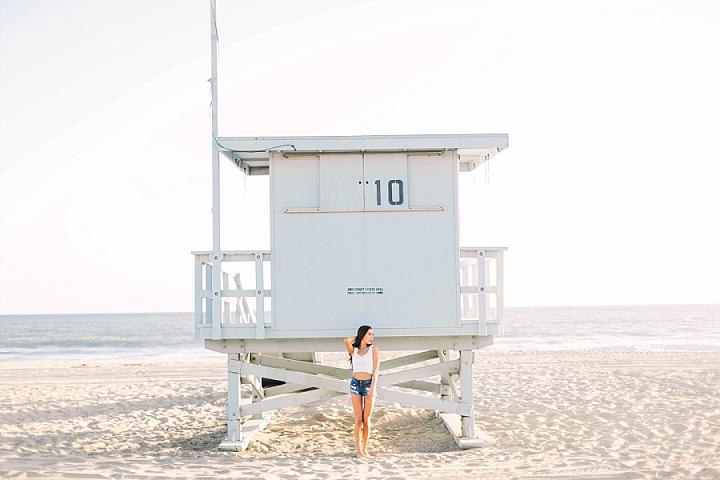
(607, 195)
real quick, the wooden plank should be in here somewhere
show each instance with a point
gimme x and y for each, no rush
(466, 287)
(234, 293)
(471, 252)
(320, 210)
(500, 303)
(198, 296)
(208, 300)
(287, 401)
(449, 379)
(260, 297)
(298, 378)
(465, 363)
(256, 384)
(425, 387)
(467, 262)
(299, 366)
(453, 424)
(466, 392)
(480, 305)
(407, 360)
(249, 315)
(420, 372)
(423, 402)
(224, 286)
(215, 287)
(242, 305)
(233, 404)
(249, 428)
(284, 389)
(233, 255)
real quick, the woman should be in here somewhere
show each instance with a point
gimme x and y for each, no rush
(364, 358)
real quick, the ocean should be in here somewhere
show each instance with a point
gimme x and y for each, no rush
(98, 336)
(171, 335)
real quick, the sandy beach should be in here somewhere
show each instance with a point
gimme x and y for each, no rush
(563, 414)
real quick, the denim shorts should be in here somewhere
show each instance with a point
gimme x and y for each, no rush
(360, 387)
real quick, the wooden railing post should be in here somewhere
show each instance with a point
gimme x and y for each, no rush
(208, 301)
(198, 295)
(233, 404)
(259, 296)
(499, 304)
(479, 274)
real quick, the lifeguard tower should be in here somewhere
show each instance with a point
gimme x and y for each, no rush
(364, 230)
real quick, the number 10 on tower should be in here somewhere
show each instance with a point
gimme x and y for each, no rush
(395, 195)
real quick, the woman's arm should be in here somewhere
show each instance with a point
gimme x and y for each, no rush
(348, 344)
(376, 370)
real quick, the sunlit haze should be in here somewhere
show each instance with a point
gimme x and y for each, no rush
(607, 195)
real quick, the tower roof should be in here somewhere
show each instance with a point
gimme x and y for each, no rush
(252, 154)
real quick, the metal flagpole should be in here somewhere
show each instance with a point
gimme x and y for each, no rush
(216, 255)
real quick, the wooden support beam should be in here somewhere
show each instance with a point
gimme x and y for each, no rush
(300, 366)
(454, 425)
(408, 360)
(233, 403)
(277, 403)
(449, 379)
(304, 379)
(426, 387)
(256, 384)
(198, 298)
(466, 391)
(285, 389)
(420, 372)
(259, 297)
(480, 281)
(249, 428)
(423, 402)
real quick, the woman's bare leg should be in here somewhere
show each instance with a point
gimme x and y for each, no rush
(367, 412)
(357, 403)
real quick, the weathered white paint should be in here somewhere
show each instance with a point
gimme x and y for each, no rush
(370, 267)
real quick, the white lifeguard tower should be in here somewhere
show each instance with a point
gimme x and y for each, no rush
(364, 230)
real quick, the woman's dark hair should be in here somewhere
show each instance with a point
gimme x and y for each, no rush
(362, 331)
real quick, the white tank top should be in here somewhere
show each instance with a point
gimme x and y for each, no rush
(363, 363)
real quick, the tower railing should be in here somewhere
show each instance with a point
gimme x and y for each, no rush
(242, 291)
(233, 293)
(481, 286)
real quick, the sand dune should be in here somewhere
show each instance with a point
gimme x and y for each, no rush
(582, 414)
